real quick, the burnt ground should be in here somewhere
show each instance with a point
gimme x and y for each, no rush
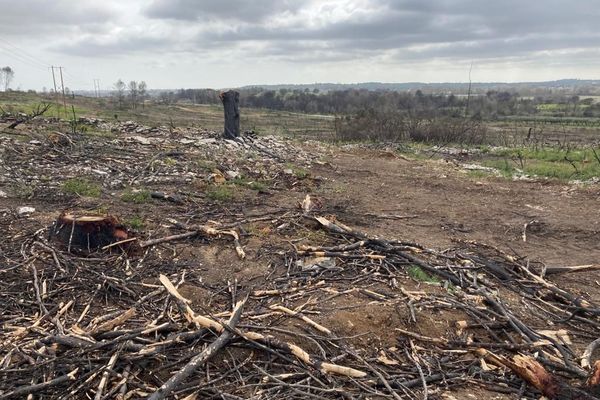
(430, 202)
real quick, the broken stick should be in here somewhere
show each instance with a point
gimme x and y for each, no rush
(200, 358)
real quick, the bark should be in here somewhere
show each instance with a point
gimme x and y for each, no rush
(231, 101)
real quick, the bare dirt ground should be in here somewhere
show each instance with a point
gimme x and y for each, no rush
(442, 204)
(366, 302)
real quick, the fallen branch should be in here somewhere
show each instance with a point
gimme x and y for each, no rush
(25, 390)
(200, 358)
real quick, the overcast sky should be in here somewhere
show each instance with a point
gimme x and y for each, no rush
(220, 43)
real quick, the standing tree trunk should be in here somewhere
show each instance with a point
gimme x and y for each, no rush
(231, 101)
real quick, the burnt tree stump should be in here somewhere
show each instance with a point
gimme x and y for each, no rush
(231, 102)
(86, 234)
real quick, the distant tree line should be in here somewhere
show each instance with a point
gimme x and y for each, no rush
(491, 105)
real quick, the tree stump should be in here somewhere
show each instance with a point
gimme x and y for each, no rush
(86, 234)
(231, 102)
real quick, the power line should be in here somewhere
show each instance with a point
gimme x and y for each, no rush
(21, 58)
(27, 58)
(25, 53)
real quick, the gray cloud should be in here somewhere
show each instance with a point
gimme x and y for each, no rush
(241, 10)
(32, 17)
(316, 35)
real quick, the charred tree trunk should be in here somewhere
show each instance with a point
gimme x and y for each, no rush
(86, 234)
(231, 101)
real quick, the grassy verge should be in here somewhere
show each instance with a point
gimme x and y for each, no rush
(581, 164)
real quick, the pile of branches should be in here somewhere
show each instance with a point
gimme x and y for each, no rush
(119, 326)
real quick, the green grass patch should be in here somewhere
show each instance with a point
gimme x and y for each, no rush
(298, 172)
(478, 173)
(136, 196)
(220, 193)
(82, 187)
(258, 186)
(505, 166)
(418, 274)
(547, 162)
(254, 185)
(170, 162)
(136, 222)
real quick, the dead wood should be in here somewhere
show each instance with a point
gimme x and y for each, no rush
(231, 101)
(200, 358)
(87, 233)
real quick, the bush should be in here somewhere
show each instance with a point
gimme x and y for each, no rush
(395, 126)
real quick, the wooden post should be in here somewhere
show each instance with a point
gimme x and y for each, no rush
(231, 101)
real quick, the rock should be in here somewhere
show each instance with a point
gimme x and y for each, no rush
(25, 210)
(3, 194)
(141, 140)
(288, 172)
(232, 174)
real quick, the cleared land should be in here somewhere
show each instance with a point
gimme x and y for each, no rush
(418, 208)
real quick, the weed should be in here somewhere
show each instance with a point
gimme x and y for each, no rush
(82, 187)
(136, 222)
(23, 191)
(417, 273)
(170, 162)
(478, 173)
(298, 172)
(206, 165)
(219, 193)
(258, 186)
(301, 173)
(136, 196)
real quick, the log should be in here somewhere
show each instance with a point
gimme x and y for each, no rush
(231, 101)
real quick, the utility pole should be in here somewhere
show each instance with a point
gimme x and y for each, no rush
(97, 87)
(62, 83)
(55, 92)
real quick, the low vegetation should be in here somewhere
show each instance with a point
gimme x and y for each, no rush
(82, 187)
(135, 222)
(563, 164)
(219, 193)
(138, 196)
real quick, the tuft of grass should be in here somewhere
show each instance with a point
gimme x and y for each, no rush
(82, 187)
(478, 173)
(298, 172)
(220, 193)
(258, 186)
(206, 165)
(417, 273)
(170, 162)
(254, 185)
(136, 196)
(506, 167)
(136, 222)
(301, 173)
(23, 191)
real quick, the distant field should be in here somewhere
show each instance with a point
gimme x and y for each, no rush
(291, 124)
(206, 116)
